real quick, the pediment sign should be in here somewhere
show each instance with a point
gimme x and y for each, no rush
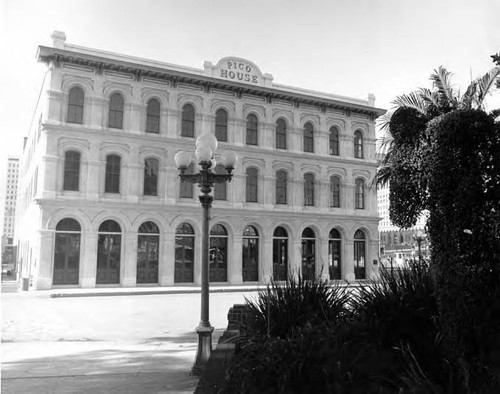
(240, 70)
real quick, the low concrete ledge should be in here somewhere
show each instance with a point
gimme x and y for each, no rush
(213, 379)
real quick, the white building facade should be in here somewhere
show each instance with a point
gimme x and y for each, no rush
(104, 205)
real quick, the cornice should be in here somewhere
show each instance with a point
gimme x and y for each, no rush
(100, 64)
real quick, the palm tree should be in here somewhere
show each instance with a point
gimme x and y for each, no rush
(405, 138)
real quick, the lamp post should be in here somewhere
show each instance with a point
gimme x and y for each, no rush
(420, 236)
(206, 144)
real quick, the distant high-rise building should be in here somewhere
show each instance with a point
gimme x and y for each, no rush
(9, 215)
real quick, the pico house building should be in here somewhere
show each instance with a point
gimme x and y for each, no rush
(101, 202)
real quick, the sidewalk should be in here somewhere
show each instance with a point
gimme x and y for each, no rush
(98, 367)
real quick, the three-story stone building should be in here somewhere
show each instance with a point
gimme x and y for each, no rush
(102, 203)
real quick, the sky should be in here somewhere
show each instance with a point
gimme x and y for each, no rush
(349, 47)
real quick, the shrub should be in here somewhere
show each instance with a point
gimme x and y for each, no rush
(287, 339)
(281, 309)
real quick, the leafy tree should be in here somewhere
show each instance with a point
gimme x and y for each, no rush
(407, 145)
(443, 155)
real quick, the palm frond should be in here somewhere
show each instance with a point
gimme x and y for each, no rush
(384, 120)
(495, 113)
(441, 80)
(485, 83)
(412, 100)
(468, 98)
(429, 97)
(386, 146)
(382, 177)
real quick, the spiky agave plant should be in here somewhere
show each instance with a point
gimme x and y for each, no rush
(282, 308)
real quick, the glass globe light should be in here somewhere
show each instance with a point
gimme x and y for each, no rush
(229, 159)
(207, 140)
(182, 159)
(203, 153)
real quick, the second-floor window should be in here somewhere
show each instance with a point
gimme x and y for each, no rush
(151, 177)
(309, 189)
(359, 194)
(75, 105)
(71, 170)
(185, 187)
(308, 137)
(112, 180)
(252, 184)
(221, 125)
(335, 191)
(116, 111)
(281, 186)
(153, 116)
(220, 189)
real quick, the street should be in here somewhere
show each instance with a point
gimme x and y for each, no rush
(111, 344)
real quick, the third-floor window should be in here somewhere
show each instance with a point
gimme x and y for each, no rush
(116, 111)
(221, 125)
(153, 116)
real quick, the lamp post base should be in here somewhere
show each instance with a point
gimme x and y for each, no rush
(204, 349)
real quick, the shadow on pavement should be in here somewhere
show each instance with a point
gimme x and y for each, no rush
(159, 365)
(189, 337)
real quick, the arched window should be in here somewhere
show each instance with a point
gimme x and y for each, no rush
(252, 130)
(153, 116)
(71, 170)
(184, 254)
(220, 189)
(221, 125)
(280, 134)
(281, 186)
(67, 252)
(358, 144)
(334, 191)
(75, 105)
(308, 254)
(309, 189)
(148, 245)
(218, 254)
(187, 127)
(108, 253)
(359, 254)
(334, 254)
(112, 181)
(252, 184)
(116, 111)
(280, 254)
(185, 187)
(151, 177)
(250, 258)
(359, 194)
(308, 137)
(334, 141)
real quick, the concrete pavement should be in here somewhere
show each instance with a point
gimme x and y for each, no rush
(121, 344)
(99, 367)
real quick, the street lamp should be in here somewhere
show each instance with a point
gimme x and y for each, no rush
(206, 144)
(420, 236)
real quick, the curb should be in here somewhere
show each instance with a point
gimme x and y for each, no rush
(152, 292)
